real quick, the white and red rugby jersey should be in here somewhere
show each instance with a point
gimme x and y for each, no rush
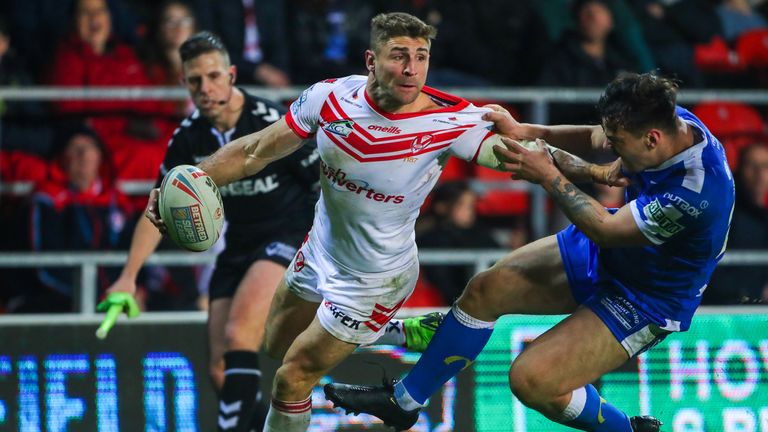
(378, 167)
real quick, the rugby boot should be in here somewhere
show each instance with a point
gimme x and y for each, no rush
(645, 424)
(376, 401)
(419, 330)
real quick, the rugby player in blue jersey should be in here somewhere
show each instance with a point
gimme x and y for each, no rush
(626, 277)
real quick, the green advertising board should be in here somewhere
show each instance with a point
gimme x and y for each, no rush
(713, 378)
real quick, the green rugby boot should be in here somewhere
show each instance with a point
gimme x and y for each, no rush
(419, 330)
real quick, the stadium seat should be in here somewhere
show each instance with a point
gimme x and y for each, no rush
(16, 166)
(717, 56)
(424, 295)
(500, 202)
(735, 124)
(456, 169)
(752, 48)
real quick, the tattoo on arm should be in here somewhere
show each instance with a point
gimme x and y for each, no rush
(586, 213)
(573, 167)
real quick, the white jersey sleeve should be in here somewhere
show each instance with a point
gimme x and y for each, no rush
(305, 111)
(467, 146)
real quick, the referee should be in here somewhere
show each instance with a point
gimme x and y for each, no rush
(268, 216)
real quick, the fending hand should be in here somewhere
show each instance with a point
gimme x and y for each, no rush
(526, 160)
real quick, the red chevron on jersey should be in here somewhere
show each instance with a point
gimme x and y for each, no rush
(381, 315)
(337, 113)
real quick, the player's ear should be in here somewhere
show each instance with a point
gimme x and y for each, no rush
(232, 74)
(370, 58)
(652, 138)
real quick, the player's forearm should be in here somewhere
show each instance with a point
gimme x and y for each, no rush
(573, 167)
(588, 215)
(580, 140)
(144, 241)
(230, 163)
(249, 154)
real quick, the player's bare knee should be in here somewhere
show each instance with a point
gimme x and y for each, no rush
(527, 385)
(291, 381)
(478, 297)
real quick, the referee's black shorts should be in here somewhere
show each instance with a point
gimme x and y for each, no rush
(232, 264)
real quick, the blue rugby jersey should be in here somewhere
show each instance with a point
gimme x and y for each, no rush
(684, 207)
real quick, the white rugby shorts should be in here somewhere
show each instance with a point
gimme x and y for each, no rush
(355, 307)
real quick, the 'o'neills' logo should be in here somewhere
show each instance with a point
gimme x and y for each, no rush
(420, 142)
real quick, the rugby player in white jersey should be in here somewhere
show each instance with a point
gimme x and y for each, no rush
(382, 139)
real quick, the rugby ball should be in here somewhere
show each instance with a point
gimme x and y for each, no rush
(190, 207)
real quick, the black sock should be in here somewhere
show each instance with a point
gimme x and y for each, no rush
(259, 415)
(242, 380)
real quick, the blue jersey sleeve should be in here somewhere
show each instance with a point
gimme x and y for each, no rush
(664, 216)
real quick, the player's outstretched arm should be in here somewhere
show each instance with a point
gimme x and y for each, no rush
(573, 167)
(248, 155)
(580, 140)
(602, 227)
(144, 241)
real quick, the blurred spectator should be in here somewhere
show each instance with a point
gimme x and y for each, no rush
(583, 58)
(737, 17)
(333, 34)
(749, 230)
(79, 210)
(171, 23)
(37, 25)
(92, 56)
(255, 33)
(169, 26)
(627, 31)
(20, 121)
(452, 224)
(672, 28)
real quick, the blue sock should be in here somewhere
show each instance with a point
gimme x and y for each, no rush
(587, 411)
(454, 347)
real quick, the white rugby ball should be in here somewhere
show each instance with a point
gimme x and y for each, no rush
(190, 206)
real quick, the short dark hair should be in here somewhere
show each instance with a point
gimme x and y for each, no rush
(202, 43)
(386, 26)
(638, 102)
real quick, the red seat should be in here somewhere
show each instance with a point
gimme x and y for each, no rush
(734, 124)
(752, 48)
(716, 56)
(424, 295)
(19, 166)
(500, 202)
(456, 169)
(729, 119)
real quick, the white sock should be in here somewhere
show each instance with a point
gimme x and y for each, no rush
(393, 334)
(404, 399)
(288, 416)
(576, 405)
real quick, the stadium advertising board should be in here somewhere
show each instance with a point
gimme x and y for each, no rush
(153, 377)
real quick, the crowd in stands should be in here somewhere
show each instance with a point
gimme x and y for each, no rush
(72, 155)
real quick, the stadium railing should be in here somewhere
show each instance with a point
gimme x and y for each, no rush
(87, 263)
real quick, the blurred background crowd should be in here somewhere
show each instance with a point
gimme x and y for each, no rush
(76, 153)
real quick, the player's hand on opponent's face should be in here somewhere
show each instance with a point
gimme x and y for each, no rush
(503, 122)
(152, 212)
(530, 162)
(610, 174)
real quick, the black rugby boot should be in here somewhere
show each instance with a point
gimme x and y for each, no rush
(645, 424)
(376, 401)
